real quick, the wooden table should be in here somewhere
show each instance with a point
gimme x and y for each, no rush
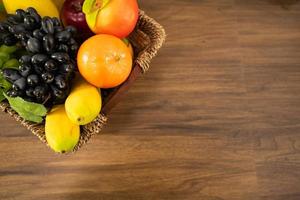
(216, 118)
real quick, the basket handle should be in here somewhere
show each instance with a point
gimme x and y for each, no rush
(157, 36)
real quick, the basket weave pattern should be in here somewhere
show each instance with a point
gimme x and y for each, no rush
(147, 39)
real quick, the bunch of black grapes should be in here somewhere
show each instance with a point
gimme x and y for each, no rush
(46, 70)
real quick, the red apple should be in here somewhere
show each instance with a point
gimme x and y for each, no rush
(71, 14)
(114, 17)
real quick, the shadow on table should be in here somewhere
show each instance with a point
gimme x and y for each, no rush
(285, 4)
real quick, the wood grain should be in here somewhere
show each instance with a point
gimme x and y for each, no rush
(216, 118)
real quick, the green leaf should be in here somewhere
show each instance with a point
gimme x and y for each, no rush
(8, 49)
(4, 56)
(34, 108)
(29, 111)
(26, 115)
(126, 41)
(2, 97)
(4, 84)
(2, 8)
(1, 63)
(12, 63)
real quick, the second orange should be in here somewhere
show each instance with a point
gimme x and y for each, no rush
(104, 61)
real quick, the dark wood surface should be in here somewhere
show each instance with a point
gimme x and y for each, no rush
(216, 118)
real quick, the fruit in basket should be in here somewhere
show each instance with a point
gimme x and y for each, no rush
(44, 7)
(84, 102)
(104, 61)
(58, 3)
(48, 65)
(2, 11)
(71, 14)
(114, 17)
(62, 135)
(27, 110)
(129, 46)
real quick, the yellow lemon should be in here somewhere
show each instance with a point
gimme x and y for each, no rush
(62, 135)
(84, 103)
(43, 7)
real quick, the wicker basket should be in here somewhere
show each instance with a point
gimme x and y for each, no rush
(146, 39)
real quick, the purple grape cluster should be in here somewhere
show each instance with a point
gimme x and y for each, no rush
(46, 70)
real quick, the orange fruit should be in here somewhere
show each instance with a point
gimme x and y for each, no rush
(104, 61)
(131, 50)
